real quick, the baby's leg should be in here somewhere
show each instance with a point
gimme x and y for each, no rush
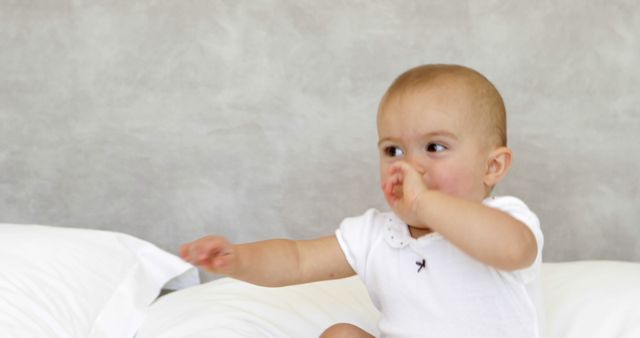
(344, 330)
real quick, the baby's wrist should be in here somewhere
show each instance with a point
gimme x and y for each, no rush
(421, 205)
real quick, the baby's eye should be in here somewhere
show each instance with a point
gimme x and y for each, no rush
(436, 147)
(393, 151)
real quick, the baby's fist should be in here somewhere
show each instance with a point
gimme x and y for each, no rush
(402, 188)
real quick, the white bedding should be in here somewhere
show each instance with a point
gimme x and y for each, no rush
(598, 299)
(79, 283)
(230, 308)
(594, 299)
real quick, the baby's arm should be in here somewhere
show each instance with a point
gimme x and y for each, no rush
(277, 262)
(487, 234)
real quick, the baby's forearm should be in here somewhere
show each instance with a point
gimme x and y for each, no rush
(267, 263)
(487, 234)
(284, 262)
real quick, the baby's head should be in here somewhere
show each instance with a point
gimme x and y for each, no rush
(449, 122)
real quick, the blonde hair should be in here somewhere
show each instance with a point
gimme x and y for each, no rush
(488, 104)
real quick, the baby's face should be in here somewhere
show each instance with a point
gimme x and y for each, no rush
(430, 130)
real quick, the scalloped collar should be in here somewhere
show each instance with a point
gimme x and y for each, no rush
(397, 233)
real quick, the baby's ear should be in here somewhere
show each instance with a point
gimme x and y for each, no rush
(498, 164)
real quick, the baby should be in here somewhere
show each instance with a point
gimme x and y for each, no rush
(450, 260)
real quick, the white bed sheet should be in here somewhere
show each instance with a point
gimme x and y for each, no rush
(230, 308)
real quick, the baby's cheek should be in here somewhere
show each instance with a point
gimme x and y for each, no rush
(444, 181)
(384, 173)
(383, 180)
(462, 185)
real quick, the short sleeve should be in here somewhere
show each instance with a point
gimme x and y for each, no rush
(356, 236)
(519, 210)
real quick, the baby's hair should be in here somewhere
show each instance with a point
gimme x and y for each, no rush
(488, 103)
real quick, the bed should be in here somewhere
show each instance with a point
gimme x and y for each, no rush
(63, 282)
(588, 299)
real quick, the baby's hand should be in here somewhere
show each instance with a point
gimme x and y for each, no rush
(212, 253)
(402, 189)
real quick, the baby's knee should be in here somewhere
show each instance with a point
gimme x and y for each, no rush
(345, 330)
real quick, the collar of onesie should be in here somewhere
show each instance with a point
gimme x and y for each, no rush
(397, 234)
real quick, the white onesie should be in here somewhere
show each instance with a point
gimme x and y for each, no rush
(427, 287)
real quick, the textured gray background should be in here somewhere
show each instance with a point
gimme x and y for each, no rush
(169, 120)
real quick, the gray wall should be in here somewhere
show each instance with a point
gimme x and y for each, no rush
(169, 120)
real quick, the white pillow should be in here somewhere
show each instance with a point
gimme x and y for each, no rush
(594, 299)
(64, 282)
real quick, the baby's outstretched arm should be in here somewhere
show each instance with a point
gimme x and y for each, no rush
(276, 262)
(487, 234)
